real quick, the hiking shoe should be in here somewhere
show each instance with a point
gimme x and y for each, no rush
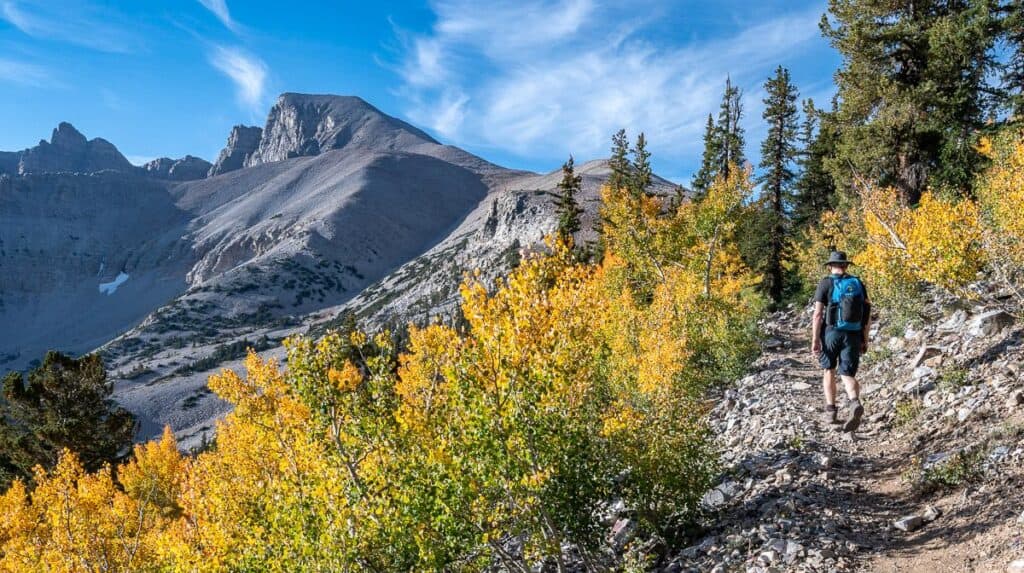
(856, 413)
(831, 414)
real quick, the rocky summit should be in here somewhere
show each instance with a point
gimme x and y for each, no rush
(67, 151)
(242, 143)
(187, 168)
(173, 269)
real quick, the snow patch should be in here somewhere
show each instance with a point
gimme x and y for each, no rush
(111, 287)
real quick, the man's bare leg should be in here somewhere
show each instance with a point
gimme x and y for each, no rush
(852, 388)
(828, 385)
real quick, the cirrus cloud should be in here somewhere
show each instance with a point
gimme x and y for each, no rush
(542, 78)
(247, 71)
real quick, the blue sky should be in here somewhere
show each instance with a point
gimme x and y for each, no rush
(521, 82)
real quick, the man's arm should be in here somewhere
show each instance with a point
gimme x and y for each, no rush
(819, 309)
(865, 325)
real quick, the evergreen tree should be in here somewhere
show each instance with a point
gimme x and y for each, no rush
(65, 404)
(730, 133)
(778, 151)
(619, 161)
(814, 189)
(1013, 75)
(913, 88)
(565, 201)
(640, 177)
(709, 160)
(723, 141)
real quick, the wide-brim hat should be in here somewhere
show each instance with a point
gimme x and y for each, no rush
(838, 258)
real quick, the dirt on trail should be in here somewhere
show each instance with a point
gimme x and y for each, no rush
(933, 480)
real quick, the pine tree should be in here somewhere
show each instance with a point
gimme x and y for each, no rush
(913, 90)
(814, 190)
(619, 161)
(778, 151)
(640, 177)
(65, 404)
(723, 141)
(730, 133)
(565, 202)
(709, 160)
(1013, 74)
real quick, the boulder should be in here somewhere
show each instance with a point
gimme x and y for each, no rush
(990, 323)
(931, 513)
(926, 353)
(908, 523)
(921, 372)
(622, 533)
(1015, 400)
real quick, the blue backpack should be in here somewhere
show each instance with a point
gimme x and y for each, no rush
(847, 302)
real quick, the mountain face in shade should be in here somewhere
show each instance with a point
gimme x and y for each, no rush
(69, 151)
(187, 168)
(242, 143)
(333, 206)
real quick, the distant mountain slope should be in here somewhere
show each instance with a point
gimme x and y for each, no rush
(62, 237)
(331, 206)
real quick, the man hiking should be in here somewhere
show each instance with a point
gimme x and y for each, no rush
(839, 335)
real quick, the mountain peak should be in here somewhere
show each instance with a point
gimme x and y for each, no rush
(66, 136)
(243, 141)
(69, 150)
(309, 124)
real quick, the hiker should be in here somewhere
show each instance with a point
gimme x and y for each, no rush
(839, 335)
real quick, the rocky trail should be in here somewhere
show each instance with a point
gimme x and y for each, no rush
(930, 482)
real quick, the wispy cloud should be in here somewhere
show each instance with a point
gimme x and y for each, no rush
(248, 73)
(21, 73)
(220, 10)
(542, 78)
(72, 22)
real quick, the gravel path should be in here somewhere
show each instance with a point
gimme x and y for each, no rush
(798, 494)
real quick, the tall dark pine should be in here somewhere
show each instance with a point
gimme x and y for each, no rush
(65, 404)
(565, 202)
(619, 161)
(814, 189)
(723, 141)
(730, 133)
(914, 89)
(778, 152)
(709, 160)
(641, 174)
(1013, 75)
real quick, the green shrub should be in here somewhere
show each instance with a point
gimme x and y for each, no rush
(907, 411)
(959, 469)
(952, 378)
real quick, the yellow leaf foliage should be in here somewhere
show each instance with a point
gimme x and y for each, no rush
(1001, 198)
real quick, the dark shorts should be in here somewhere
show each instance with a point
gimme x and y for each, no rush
(841, 348)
